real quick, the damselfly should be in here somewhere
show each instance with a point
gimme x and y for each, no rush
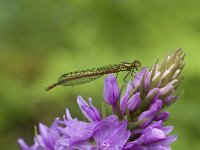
(84, 76)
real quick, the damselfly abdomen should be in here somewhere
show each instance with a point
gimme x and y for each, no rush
(81, 77)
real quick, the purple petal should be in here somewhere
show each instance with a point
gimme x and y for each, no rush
(146, 84)
(153, 93)
(167, 129)
(157, 124)
(54, 134)
(44, 131)
(138, 77)
(68, 115)
(85, 145)
(111, 134)
(162, 116)
(111, 90)
(157, 105)
(95, 110)
(169, 140)
(124, 99)
(49, 136)
(170, 99)
(81, 102)
(23, 145)
(135, 143)
(149, 115)
(62, 143)
(153, 135)
(79, 131)
(104, 125)
(134, 102)
(123, 103)
(157, 147)
(35, 146)
(90, 112)
(165, 142)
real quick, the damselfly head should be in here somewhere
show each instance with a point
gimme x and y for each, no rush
(136, 64)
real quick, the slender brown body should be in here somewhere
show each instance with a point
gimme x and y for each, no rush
(81, 77)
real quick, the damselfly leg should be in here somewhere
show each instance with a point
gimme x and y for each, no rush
(116, 75)
(134, 72)
(126, 77)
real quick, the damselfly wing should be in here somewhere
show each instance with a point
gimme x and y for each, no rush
(84, 76)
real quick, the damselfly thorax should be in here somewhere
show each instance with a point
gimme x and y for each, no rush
(84, 76)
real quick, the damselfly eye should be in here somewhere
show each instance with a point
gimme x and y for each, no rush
(137, 64)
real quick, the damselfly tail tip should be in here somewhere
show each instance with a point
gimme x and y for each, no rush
(48, 88)
(51, 86)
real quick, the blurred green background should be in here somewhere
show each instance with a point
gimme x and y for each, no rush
(42, 39)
